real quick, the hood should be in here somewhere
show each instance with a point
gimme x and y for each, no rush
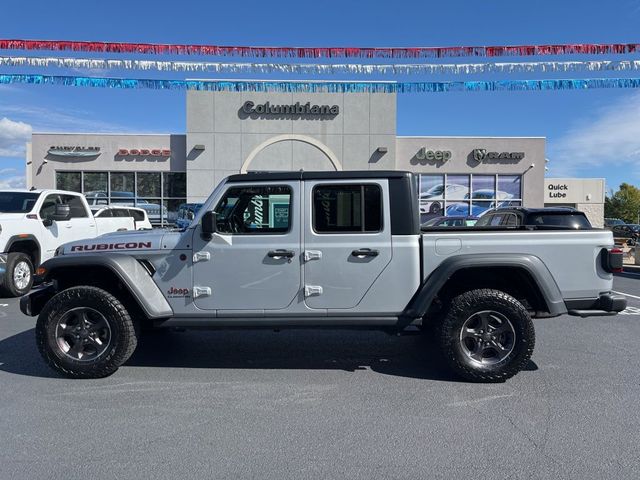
(131, 241)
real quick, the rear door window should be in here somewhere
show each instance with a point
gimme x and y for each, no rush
(347, 208)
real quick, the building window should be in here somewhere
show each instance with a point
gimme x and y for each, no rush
(159, 194)
(467, 195)
(71, 181)
(347, 208)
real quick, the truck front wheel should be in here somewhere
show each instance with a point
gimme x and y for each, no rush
(85, 332)
(486, 335)
(18, 277)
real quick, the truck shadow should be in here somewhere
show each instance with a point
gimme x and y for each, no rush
(405, 356)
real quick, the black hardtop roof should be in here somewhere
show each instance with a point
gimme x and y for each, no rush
(322, 175)
(540, 210)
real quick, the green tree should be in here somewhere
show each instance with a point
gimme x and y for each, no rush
(624, 204)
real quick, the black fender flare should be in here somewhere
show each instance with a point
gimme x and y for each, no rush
(23, 238)
(134, 277)
(422, 300)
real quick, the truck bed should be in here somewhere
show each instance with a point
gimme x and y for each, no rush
(580, 249)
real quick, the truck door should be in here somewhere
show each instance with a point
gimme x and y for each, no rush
(347, 240)
(252, 263)
(79, 225)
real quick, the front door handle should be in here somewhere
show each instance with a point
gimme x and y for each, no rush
(365, 252)
(280, 254)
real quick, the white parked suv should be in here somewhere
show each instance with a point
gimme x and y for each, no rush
(33, 224)
(139, 215)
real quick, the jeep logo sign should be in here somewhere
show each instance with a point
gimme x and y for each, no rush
(433, 156)
(481, 155)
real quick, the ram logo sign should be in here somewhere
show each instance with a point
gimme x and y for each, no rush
(481, 155)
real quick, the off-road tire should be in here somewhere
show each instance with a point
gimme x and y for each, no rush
(461, 308)
(8, 288)
(123, 341)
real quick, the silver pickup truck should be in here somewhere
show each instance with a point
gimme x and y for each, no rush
(319, 249)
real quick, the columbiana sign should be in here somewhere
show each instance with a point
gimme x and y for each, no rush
(297, 108)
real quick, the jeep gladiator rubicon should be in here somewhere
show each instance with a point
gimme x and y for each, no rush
(318, 249)
(33, 223)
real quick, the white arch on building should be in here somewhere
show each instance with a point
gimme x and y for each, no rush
(298, 138)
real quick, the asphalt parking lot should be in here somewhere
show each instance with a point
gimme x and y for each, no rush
(326, 404)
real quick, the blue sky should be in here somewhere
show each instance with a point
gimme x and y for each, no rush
(590, 133)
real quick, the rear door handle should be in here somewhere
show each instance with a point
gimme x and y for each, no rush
(365, 252)
(280, 254)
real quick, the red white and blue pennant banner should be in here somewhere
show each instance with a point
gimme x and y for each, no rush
(330, 87)
(322, 69)
(321, 52)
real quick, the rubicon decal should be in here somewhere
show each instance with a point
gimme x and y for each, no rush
(111, 246)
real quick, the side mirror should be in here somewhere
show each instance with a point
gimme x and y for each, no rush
(62, 213)
(208, 224)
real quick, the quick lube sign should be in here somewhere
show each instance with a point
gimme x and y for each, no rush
(574, 190)
(557, 190)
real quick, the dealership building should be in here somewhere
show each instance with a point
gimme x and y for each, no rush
(231, 132)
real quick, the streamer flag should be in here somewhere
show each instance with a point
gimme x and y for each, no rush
(318, 52)
(330, 87)
(323, 69)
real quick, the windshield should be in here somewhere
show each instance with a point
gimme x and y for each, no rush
(17, 202)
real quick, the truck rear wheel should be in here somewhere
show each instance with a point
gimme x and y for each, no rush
(486, 336)
(18, 278)
(85, 332)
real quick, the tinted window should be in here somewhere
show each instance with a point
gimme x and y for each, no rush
(78, 209)
(347, 208)
(104, 214)
(137, 215)
(570, 220)
(255, 210)
(120, 212)
(510, 220)
(496, 220)
(17, 202)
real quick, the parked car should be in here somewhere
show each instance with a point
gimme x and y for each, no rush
(612, 222)
(628, 232)
(157, 213)
(450, 222)
(356, 258)
(139, 215)
(481, 202)
(431, 200)
(542, 218)
(186, 213)
(34, 223)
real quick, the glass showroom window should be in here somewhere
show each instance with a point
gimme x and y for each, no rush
(71, 181)
(159, 194)
(467, 195)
